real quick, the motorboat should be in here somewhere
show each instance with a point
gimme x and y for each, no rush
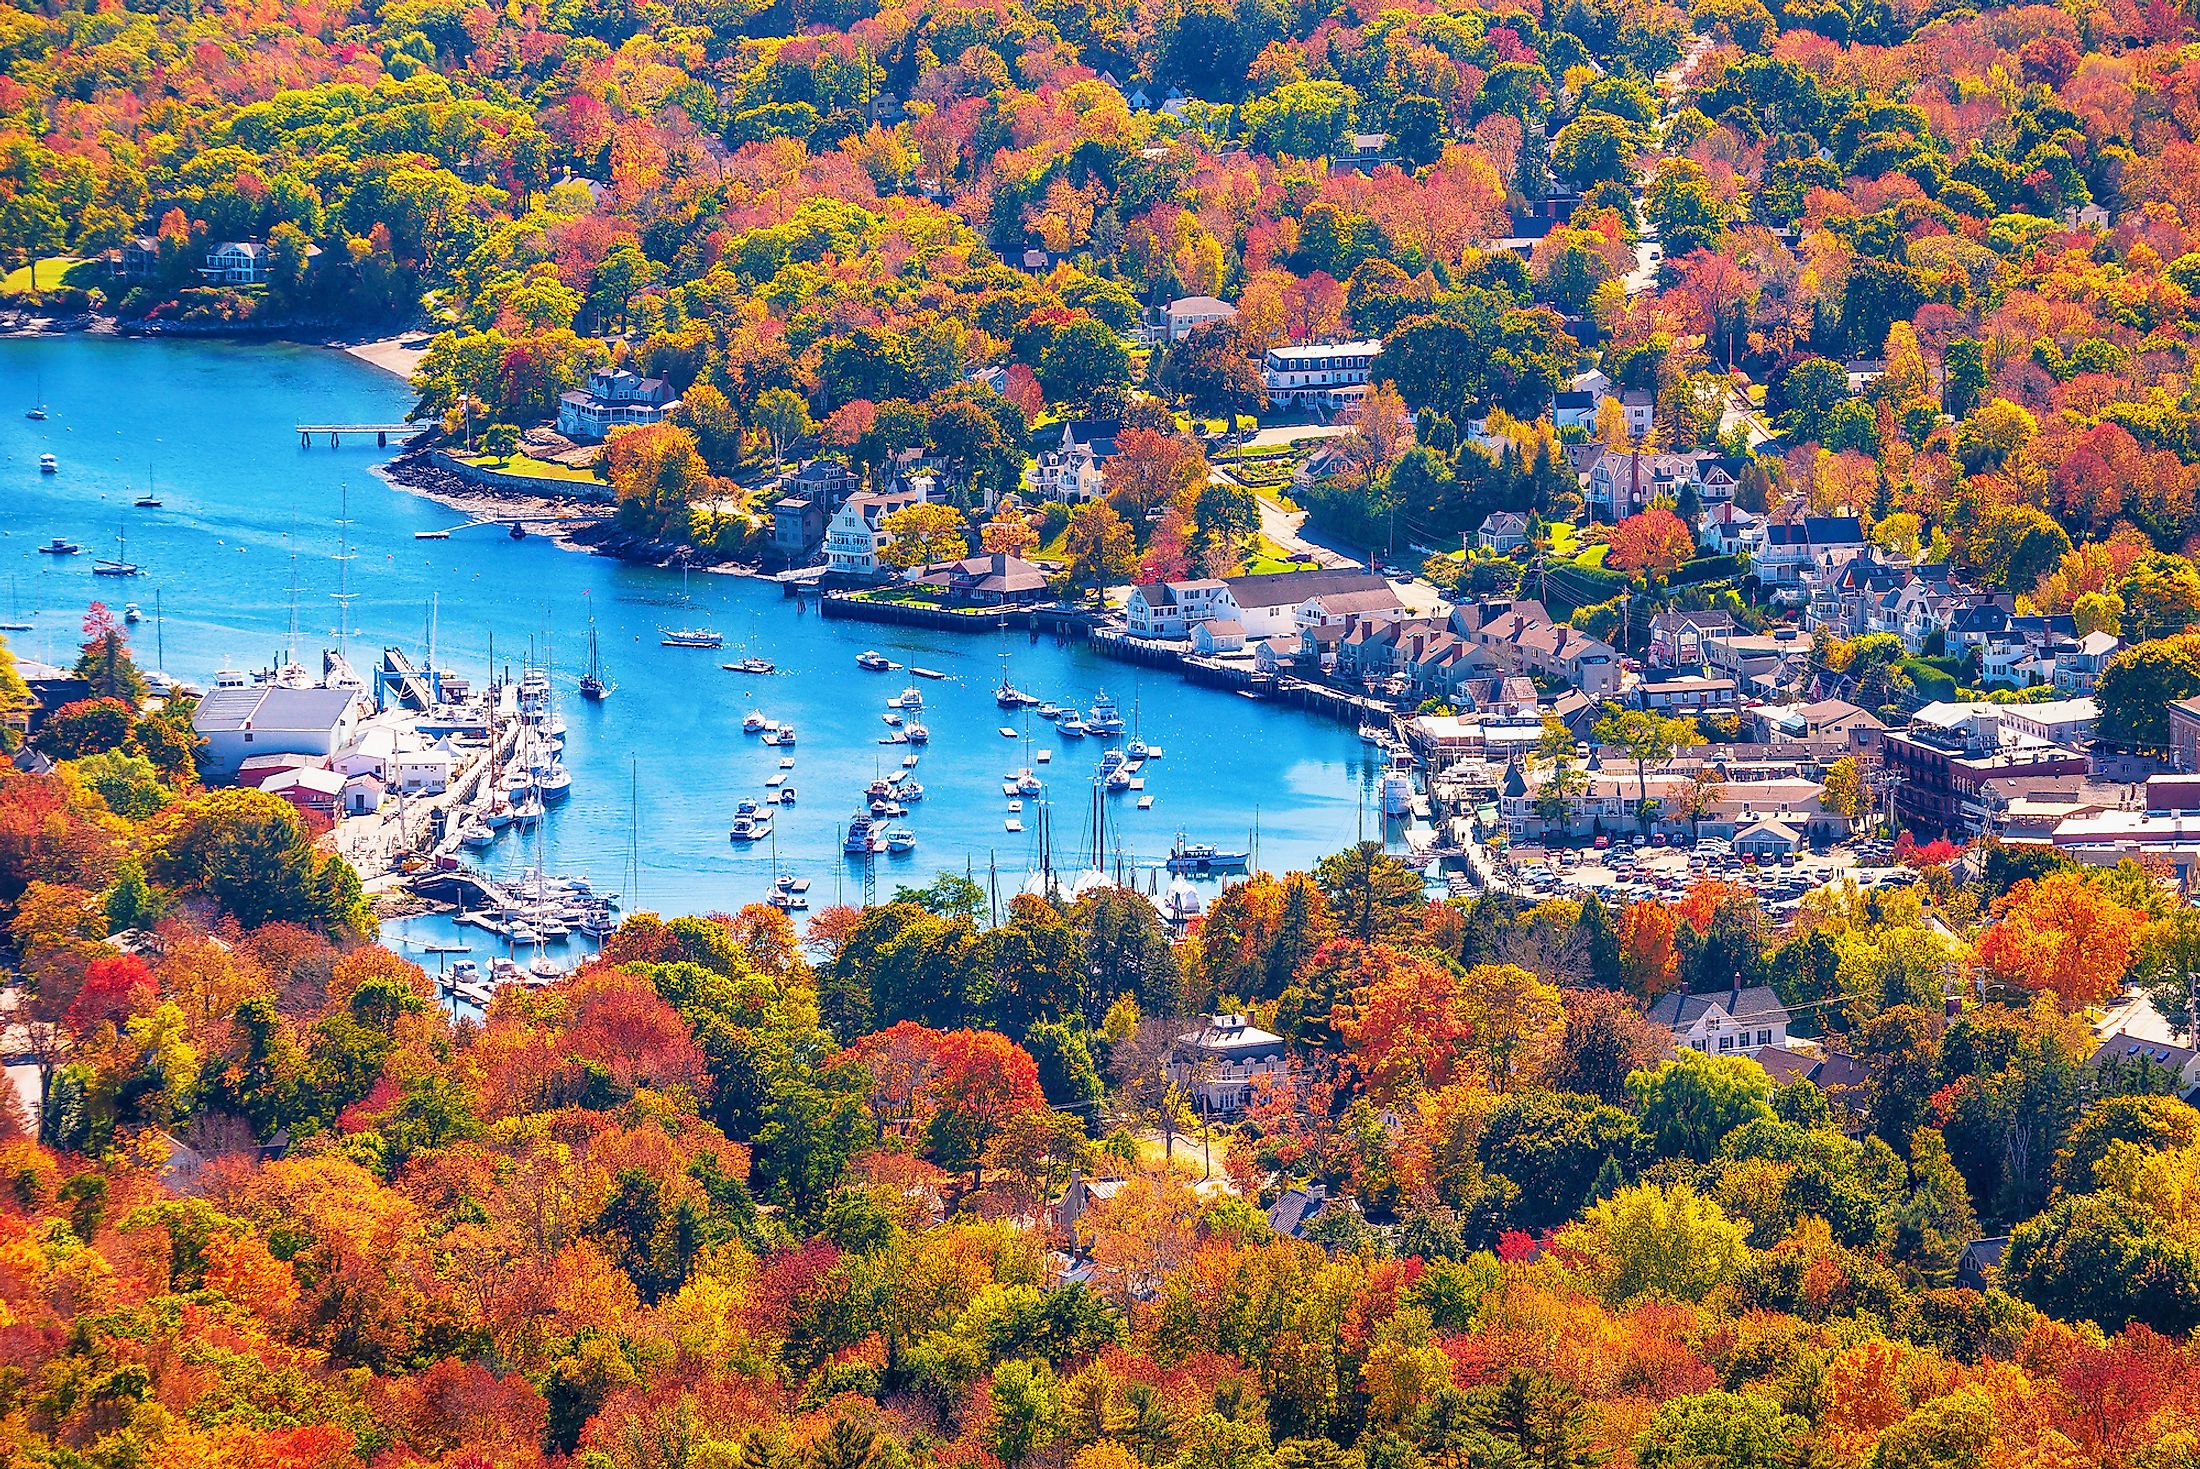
(1189, 856)
(524, 932)
(1397, 789)
(132, 613)
(872, 662)
(750, 827)
(1111, 761)
(752, 665)
(862, 838)
(755, 723)
(1105, 719)
(911, 792)
(47, 464)
(57, 546)
(475, 833)
(1374, 734)
(908, 699)
(1073, 725)
(786, 795)
(917, 734)
(779, 735)
(746, 808)
(901, 839)
(1050, 711)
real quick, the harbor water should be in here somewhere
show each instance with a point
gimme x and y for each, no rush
(247, 515)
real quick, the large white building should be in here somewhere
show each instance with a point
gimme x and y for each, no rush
(1320, 374)
(1224, 1060)
(856, 534)
(1265, 606)
(271, 719)
(1738, 1022)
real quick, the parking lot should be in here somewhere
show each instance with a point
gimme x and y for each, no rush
(1631, 868)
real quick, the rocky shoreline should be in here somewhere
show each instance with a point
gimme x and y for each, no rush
(574, 524)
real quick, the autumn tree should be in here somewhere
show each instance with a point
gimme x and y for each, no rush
(2061, 933)
(1100, 545)
(1651, 544)
(918, 535)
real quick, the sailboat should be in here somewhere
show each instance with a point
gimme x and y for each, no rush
(117, 565)
(15, 621)
(37, 411)
(148, 500)
(593, 688)
(690, 637)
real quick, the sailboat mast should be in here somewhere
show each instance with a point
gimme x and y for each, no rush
(343, 593)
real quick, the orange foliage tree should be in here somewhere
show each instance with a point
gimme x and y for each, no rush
(2062, 934)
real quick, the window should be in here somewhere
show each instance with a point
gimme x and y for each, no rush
(1726, 1043)
(1764, 1037)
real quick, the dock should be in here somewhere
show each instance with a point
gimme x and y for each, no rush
(383, 432)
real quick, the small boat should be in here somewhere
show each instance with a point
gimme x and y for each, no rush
(751, 828)
(1073, 725)
(524, 933)
(917, 734)
(47, 464)
(130, 612)
(431, 535)
(911, 791)
(779, 735)
(1140, 750)
(901, 839)
(554, 781)
(872, 662)
(691, 637)
(908, 699)
(147, 501)
(860, 840)
(751, 665)
(1118, 780)
(1051, 711)
(59, 547)
(475, 833)
(786, 795)
(1105, 719)
(1374, 734)
(755, 723)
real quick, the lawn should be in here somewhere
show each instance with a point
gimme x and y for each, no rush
(530, 468)
(1565, 537)
(53, 273)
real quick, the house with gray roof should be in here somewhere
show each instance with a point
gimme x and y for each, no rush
(1736, 1022)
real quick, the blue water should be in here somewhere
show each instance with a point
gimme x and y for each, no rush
(246, 511)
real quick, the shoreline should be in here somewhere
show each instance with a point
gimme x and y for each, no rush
(396, 355)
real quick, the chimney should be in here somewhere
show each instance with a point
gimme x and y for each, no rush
(1734, 996)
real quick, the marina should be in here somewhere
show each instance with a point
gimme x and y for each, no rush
(674, 727)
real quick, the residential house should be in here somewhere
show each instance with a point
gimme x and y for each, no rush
(1729, 530)
(1169, 610)
(1286, 601)
(1817, 546)
(1319, 374)
(1217, 636)
(1681, 639)
(1297, 1207)
(1575, 408)
(2184, 735)
(2133, 1056)
(1185, 315)
(1717, 478)
(1502, 532)
(1819, 720)
(1637, 405)
(1375, 603)
(807, 499)
(994, 579)
(1219, 1064)
(856, 533)
(1620, 484)
(236, 263)
(270, 719)
(2078, 670)
(2067, 722)
(1735, 1022)
(1979, 1266)
(1074, 470)
(614, 398)
(138, 259)
(1684, 693)
(1770, 837)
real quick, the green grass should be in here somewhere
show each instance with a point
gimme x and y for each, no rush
(53, 273)
(1565, 538)
(1594, 556)
(529, 467)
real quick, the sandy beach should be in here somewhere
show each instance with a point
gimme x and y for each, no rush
(396, 355)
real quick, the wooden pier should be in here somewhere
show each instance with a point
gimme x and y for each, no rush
(382, 432)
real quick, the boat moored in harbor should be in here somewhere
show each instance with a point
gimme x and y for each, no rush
(1190, 856)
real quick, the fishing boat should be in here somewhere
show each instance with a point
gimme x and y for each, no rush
(59, 547)
(47, 464)
(691, 637)
(872, 662)
(1106, 719)
(593, 687)
(1190, 856)
(116, 565)
(862, 839)
(1073, 725)
(901, 839)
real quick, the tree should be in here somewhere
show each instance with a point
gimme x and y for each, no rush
(2140, 683)
(249, 853)
(1847, 794)
(1663, 1243)
(1685, 206)
(1690, 1103)
(1101, 547)
(1650, 545)
(1009, 533)
(1372, 896)
(1151, 470)
(1215, 370)
(655, 469)
(2160, 598)
(1649, 959)
(784, 416)
(1643, 736)
(1084, 357)
(1605, 1039)
(1595, 147)
(2061, 933)
(981, 1081)
(104, 660)
(1723, 1430)
(918, 535)
(500, 441)
(2109, 1260)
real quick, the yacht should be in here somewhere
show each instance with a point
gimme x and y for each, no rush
(872, 662)
(1110, 761)
(862, 839)
(1118, 780)
(115, 565)
(1397, 788)
(1105, 719)
(593, 687)
(1008, 696)
(1073, 725)
(1188, 856)
(901, 839)
(1026, 783)
(1181, 903)
(691, 637)
(911, 791)
(1140, 750)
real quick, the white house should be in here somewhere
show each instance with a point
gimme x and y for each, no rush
(615, 398)
(271, 719)
(1170, 610)
(1289, 601)
(236, 263)
(856, 535)
(1222, 1061)
(1738, 1022)
(1320, 374)
(1187, 314)
(1637, 405)
(1075, 470)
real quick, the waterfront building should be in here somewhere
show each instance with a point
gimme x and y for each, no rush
(235, 263)
(806, 498)
(313, 789)
(856, 534)
(1169, 610)
(614, 398)
(1320, 374)
(271, 719)
(992, 580)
